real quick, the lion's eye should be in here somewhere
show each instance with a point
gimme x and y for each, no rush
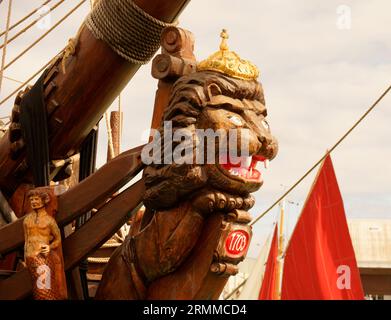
(235, 120)
(265, 124)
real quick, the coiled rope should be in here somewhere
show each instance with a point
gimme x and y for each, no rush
(124, 26)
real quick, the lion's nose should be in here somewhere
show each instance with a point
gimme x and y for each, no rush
(268, 148)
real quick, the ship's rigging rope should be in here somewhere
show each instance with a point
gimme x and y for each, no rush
(11, 79)
(25, 17)
(123, 26)
(2, 67)
(31, 24)
(322, 158)
(44, 35)
(235, 290)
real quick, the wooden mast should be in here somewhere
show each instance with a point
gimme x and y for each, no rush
(77, 99)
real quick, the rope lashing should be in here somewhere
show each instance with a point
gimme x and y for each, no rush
(68, 51)
(102, 260)
(128, 30)
(2, 67)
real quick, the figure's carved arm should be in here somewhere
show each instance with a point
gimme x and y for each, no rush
(26, 236)
(56, 235)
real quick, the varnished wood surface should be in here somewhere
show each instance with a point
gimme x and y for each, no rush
(162, 9)
(98, 187)
(189, 279)
(94, 77)
(102, 225)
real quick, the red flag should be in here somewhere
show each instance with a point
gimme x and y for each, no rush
(320, 263)
(270, 287)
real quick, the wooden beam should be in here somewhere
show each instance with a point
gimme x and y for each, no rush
(99, 186)
(102, 225)
(376, 284)
(375, 271)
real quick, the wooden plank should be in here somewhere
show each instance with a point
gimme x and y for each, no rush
(11, 236)
(83, 197)
(99, 186)
(102, 225)
(17, 286)
(85, 240)
(375, 271)
(376, 284)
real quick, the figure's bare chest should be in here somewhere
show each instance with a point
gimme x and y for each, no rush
(38, 226)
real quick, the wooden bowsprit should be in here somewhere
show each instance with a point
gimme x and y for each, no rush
(77, 98)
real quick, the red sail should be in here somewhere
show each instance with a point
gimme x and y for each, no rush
(320, 262)
(269, 289)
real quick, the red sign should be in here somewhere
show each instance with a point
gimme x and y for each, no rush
(237, 242)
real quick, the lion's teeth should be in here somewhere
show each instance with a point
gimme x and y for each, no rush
(234, 160)
(234, 172)
(258, 166)
(246, 162)
(266, 163)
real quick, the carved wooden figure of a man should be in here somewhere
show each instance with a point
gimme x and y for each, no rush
(42, 250)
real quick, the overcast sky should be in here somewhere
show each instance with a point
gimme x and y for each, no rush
(319, 73)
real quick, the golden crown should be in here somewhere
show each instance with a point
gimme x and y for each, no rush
(228, 62)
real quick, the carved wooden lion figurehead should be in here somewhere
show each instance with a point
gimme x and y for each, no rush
(211, 100)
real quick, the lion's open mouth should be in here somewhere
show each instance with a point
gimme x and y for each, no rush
(247, 168)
